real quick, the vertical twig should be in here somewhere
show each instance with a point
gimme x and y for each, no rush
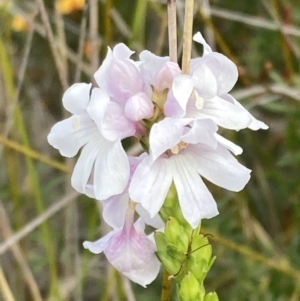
(187, 35)
(53, 46)
(166, 288)
(82, 37)
(27, 274)
(108, 25)
(127, 288)
(209, 29)
(93, 33)
(172, 29)
(6, 291)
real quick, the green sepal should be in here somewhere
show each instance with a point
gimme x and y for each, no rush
(171, 207)
(177, 235)
(211, 297)
(199, 242)
(168, 254)
(190, 289)
(200, 262)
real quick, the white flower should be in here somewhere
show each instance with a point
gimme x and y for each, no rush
(180, 151)
(204, 93)
(102, 161)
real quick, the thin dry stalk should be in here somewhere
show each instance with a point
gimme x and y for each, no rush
(161, 37)
(37, 222)
(11, 111)
(254, 21)
(120, 24)
(27, 274)
(209, 32)
(172, 29)
(279, 264)
(187, 36)
(53, 46)
(93, 33)
(62, 42)
(6, 291)
(33, 154)
(81, 43)
(127, 288)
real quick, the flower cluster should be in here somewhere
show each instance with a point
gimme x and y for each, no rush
(175, 117)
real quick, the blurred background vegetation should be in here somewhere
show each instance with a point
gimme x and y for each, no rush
(45, 46)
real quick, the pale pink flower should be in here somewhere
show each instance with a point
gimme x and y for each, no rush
(129, 250)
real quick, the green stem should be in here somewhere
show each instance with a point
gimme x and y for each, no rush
(166, 287)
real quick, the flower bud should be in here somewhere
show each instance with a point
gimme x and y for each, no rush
(211, 297)
(190, 290)
(171, 208)
(168, 255)
(175, 234)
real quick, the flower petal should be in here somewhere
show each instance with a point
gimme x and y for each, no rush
(172, 108)
(150, 184)
(122, 52)
(195, 200)
(84, 166)
(182, 89)
(114, 209)
(155, 222)
(166, 134)
(106, 163)
(76, 98)
(100, 245)
(132, 253)
(139, 107)
(100, 74)
(202, 131)
(150, 66)
(111, 172)
(98, 106)
(165, 75)
(214, 74)
(237, 150)
(220, 167)
(199, 39)
(222, 112)
(146, 275)
(254, 124)
(115, 124)
(123, 80)
(69, 135)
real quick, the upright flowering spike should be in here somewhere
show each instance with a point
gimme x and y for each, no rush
(129, 250)
(175, 114)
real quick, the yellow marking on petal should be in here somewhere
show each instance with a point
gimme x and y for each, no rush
(76, 123)
(182, 145)
(178, 147)
(199, 100)
(175, 149)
